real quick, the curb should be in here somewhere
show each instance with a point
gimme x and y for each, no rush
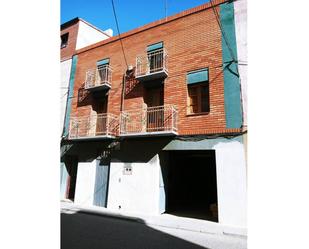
(188, 224)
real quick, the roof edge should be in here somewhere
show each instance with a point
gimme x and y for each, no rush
(69, 23)
(76, 20)
(92, 26)
(154, 24)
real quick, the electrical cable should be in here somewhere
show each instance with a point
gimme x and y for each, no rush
(165, 9)
(114, 11)
(232, 55)
(222, 31)
(196, 138)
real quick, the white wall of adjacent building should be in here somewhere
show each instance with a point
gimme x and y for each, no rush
(231, 183)
(88, 35)
(65, 67)
(240, 12)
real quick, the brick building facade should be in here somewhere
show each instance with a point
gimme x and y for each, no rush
(167, 132)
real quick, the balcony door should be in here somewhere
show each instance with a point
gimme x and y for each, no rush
(100, 106)
(155, 60)
(155, 110)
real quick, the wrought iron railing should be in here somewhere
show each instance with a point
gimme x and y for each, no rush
(149, 120)
(93, 126)
(98, 77)
(151, 63)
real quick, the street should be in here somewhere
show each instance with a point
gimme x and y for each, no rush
(90, 231)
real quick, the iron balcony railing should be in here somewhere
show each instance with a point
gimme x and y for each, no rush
(149, 120)
(98, 77)
(151, 63)
(95, 125)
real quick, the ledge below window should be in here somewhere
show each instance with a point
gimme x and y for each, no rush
(197, 114)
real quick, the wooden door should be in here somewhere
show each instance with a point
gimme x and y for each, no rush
(155, 116)
(101, 109)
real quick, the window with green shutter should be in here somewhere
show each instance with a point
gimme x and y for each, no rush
(198, 92)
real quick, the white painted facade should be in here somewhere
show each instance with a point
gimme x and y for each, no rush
(85, 183)
(141, 191)
(231, 183)
(88, 35)
(63, 181)
(65, 67)
(240, 12)
(135, 193)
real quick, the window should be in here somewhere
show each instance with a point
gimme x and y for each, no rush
(198, 92)
(198, 98)
(155, 57)
(64, 40)
(102, 67)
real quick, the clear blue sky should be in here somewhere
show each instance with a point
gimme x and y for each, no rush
(130, 13)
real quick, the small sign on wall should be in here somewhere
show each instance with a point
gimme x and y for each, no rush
(127, 170)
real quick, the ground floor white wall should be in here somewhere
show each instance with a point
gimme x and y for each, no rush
(63, 180)
(142, 189)
(137, 192)
(231, 183)
(85, 183)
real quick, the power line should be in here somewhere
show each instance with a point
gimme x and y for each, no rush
(232, 55)
(165, 9)
(124, 55)
(222, 31)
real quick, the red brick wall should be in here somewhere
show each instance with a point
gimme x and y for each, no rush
(69, 50)
(192, 42)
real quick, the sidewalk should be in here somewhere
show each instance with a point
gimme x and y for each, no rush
(164, 220)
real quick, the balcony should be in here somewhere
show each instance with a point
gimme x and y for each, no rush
(152, 66)
(99, 78)
(149, 121)
(95, 126)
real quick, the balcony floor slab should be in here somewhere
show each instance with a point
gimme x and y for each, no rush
(98, 88)
(150, 134)
(152, 76)
(103, 137)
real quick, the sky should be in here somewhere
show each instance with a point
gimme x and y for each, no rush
(130, 14)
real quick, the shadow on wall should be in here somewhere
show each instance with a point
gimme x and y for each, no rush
(86, 151)
(83, 230)
(139, 150)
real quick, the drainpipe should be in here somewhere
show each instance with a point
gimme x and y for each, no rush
(123, 93)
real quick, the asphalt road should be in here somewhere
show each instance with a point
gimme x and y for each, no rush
(90, 231)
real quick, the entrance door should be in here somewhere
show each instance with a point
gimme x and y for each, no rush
(192, 184)
(155, 60)
(155, 116)
(100, 107)
(101, 184)
(71, 168)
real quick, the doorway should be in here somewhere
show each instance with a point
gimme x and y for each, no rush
(100, 107)
(71, 167)
(192, 185)
(154, 98)
(101, 183)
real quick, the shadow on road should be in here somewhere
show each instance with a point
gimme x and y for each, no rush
(90, 231)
